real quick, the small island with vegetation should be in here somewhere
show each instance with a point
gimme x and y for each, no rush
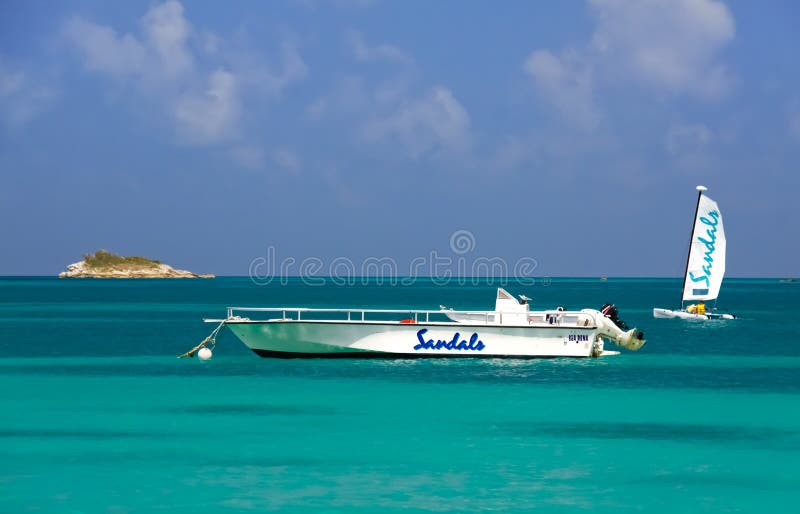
(103, 264)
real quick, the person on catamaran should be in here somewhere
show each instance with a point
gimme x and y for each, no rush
(700, 308)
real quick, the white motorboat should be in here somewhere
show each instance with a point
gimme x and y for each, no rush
(705, 263)
(512, 330)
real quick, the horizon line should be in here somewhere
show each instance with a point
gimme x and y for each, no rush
(422, 277)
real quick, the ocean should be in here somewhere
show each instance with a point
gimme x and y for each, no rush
(98, 416)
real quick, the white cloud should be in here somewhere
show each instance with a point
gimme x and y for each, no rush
(271, 79)
(318, 108)
(669, 46)
(433, 123)
(211, 115)
(685, 139)
(210, 42)
(567, 83)
(392, 91)
(511, 153)
(349, 95)
(382, 52)
(160, 53)
(22, 97)
(412, 120)
(249, 156)
(104, 51)
(11, 81)
(198, 79)
(286, 160)
(167, 32)
(254, 158)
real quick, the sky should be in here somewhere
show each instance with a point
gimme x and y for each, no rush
(572, 134)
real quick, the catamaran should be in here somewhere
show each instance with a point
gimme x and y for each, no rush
(705, 263)
(511, 330)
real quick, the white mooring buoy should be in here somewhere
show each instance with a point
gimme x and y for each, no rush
(204, 354)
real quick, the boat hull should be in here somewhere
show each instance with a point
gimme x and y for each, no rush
(302, 339)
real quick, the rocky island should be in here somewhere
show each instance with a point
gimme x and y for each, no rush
(103, 264)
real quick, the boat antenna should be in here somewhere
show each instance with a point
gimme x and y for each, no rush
(700, 190)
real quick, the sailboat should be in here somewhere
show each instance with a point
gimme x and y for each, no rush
(705, 264)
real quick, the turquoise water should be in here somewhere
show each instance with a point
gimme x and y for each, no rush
(97, 415)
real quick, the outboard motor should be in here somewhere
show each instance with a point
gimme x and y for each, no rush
(618, 331)
(610, 311)
(610, 327)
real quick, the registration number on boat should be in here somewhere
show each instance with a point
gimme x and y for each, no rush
(578, 337)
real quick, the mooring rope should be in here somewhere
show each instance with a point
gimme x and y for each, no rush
(210, 340)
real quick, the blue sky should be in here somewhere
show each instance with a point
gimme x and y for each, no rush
(569, 132)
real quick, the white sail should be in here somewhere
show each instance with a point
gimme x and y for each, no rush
(706, 265)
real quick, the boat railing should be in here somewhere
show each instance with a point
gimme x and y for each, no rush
(545, 317)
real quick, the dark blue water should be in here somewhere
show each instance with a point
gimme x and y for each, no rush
(97, 414)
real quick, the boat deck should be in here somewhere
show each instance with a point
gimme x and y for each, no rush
(546, 318)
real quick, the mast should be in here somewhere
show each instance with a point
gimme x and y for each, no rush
(700, 190)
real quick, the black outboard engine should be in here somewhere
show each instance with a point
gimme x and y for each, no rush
(610, 311)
